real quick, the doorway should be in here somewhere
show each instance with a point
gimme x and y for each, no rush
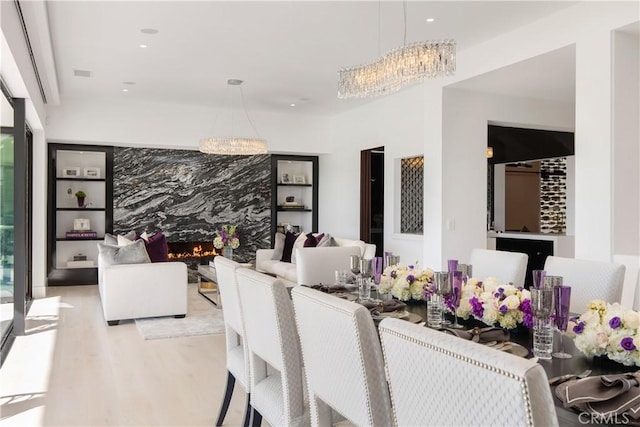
(372, 197)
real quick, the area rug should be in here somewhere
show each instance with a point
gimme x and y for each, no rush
(203, 318)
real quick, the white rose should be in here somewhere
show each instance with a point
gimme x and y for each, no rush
(631, 319)
(512, 302)
(472, 281)
(589, 317)
(490, 284)
(636, 342)
(509, 290)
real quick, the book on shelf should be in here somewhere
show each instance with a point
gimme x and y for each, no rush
(86, 234)
(292, 206)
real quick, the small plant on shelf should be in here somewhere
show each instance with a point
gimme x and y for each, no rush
(80, 195)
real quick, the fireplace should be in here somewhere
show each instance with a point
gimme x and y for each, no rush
(192, 254)
(181, 251)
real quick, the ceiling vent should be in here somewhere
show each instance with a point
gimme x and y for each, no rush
(82, 73)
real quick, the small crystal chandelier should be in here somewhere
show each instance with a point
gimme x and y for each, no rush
(398, 68)
(235, 145)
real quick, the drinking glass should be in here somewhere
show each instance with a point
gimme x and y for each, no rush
(341, 277)
(456, 291)
(465, 269)
(355, 264)
(542, 308)
(364, 280)
(385, 259)
(562, 298)
(435, 300)
(392, 260)
(552, 281)
(376, 265)
(452, 265)
(538, 278)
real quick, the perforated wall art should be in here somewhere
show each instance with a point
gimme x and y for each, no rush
(411, 195)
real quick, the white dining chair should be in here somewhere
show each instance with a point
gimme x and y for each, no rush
(343, 360)
(439, 379)
(507, 267)
(589, 280)
(275, 361)
(318, 265)
(237, 352)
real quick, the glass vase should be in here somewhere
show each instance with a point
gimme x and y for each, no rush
(227, 252)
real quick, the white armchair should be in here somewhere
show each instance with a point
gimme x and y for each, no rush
(133, 291)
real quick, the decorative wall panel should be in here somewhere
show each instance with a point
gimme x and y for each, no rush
(188, 195)
(412, 195)
(553, 195)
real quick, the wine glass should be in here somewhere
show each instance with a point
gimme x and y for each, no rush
(456, 292)
(538, 278)
(355, 264)
(562, 297)
(364, 284)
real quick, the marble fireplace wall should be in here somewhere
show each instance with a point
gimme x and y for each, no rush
(188, 195)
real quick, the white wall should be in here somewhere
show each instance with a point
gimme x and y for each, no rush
(147, 124)
(394, 122)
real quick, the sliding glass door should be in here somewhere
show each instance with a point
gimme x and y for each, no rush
(7, 210)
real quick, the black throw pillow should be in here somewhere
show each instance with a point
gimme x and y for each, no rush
(289, 240)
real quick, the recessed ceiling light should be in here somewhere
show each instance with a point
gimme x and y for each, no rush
(125, 90)
(81, 73)
(430, 19)
(149, 31)
(128, 83)
(144, 46)
(292, 105)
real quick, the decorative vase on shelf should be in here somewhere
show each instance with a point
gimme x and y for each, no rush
(227, 252)
(80, 202)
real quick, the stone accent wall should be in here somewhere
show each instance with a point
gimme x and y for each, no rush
(188, 195)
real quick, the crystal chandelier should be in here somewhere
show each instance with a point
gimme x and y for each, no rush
(235, 145)
(398, 68)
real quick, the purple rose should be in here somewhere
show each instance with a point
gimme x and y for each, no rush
(496, 295)
(627, 344)
(393, 274)
(527, 320)
(503, 309)
(477, 310)
(615, 322)
(500, 290)
(411, 278)
(579, 328)
(410, 267)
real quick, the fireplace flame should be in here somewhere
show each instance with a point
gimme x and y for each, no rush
(196, 252)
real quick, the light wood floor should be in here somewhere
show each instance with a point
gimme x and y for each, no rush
(73, 370)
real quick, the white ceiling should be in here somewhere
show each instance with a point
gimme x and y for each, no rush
(287, 52)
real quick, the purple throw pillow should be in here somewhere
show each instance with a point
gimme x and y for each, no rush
(289, 240)
(311, 242)
(157, 247)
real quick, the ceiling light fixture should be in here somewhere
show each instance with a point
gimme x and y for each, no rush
(235, 145)
(399, 67)
(430, 19)
(143, 46)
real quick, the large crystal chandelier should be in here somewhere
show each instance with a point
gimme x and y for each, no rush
(398, 68)
(235, 145)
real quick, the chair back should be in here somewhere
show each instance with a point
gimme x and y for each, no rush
(272, 338)
(507, 267)
(440, 379)
(318, 265)
(237, 353)
(589, 280)
(343, 359)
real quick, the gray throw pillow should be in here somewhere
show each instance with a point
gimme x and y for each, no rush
(110, 239)
(278, 247)
(325, 241)
(130, 235)
(135, 253)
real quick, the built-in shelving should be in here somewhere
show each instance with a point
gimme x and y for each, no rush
(302, 174)
(91, 170)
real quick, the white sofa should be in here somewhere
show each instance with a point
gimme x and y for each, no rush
(133, 291)
(287, 271)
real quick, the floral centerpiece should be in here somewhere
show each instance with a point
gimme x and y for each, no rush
(608, 330)
(492, 303)
(227, 236)
(405, 282)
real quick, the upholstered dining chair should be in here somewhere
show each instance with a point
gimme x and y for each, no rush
(237, 351)
(588, 279)
(507, 267)
(440, 379)
(343, 360)
(276, 370)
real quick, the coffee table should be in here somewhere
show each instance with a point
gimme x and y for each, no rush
(208, 284)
